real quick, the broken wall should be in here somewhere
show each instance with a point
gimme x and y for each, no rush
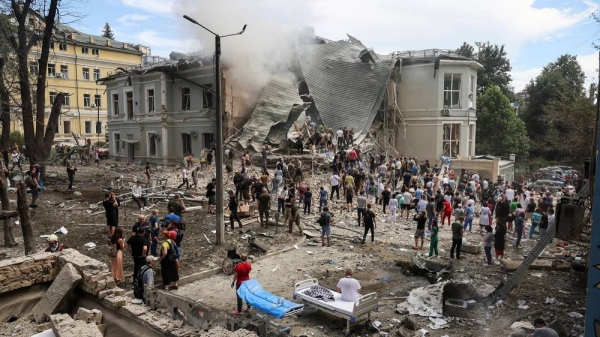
(25, 271)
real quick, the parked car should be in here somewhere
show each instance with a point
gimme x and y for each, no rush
(550, 185)
(569, 190)
(103, 152)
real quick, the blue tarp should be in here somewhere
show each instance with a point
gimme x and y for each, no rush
(253, 293)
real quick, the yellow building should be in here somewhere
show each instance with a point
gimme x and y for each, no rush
(76, 61)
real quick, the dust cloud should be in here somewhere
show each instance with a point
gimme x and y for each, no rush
(264, 49)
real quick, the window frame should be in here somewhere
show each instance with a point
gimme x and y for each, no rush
(186, 99)
(66, 99)
(205, 98)
(96, 51)
(86, 73)
(61, 45)
(152, 143)
(471, 140)
(64, 70)
(151, 100)
(96, 74)
(450, 91)
(117, 141)
(87, 100)
(85, 50)
(85, 127)
(115, 104)
(52, 97)
(53, 67)
(449, 139)
(98, 101)
(65, 129)
(34, 68)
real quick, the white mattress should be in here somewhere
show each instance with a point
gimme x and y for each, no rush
(340, 306)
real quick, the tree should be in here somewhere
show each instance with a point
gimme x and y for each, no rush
(559, 87)
(496, 66)
(107, 32)
(499, 130)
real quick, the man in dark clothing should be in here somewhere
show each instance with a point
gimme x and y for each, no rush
(234, 206)
(406, 178)
(245, 189)
(431, 214)
(264, 203)
(502, 211)
(31, 182)
(177, 205)
(137, 245)
(385, 196)
(141, 223)
(210, 194)
(457, 236)
(237, 181)
(369, 220)
(543, 225)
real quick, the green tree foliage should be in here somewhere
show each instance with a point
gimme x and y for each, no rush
(500, 132)
(559, 87)
(107, 32)
(17, 138)
(496, 66)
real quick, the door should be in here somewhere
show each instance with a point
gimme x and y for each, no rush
(186, 143)
(130, 152)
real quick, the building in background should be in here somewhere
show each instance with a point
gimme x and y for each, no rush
(77, 60)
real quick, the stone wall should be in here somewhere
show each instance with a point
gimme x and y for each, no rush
(25, 271)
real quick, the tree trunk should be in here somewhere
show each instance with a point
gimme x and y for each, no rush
(26, 227)
(8, 214)
(4, 110)
(9, 237)
(45, 135)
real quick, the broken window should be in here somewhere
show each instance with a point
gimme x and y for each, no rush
(150, 93)
(451, 141)
(186, 143)
(152, 144)
(185, 98)
(64, 71)
(129, 102)
(452, 91)
(66, 127)
(51, 69)
(208, 98)
(115, 98)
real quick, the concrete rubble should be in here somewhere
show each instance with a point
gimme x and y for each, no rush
(65, 326)
(67, 280)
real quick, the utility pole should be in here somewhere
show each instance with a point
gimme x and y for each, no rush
(219, 132)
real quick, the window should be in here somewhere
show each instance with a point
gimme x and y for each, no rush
(186, 143)
(208, 98)
(66, 99)
(452, 91)
(99, 127)
(97, 101)
(86, 74)
(56, 129)
(88, 127)
(85, 50)
(66, 127)
(62, 46)
(117, 143)
(150, 93)
(52, 97)
(51, 69)
(208, 138)
(152, 144)
(96, 74)
(471, 134)
(471, 92)
(87, 100)
(34, 68)
(129, 102)
(185, 98)
(95, 51)
(51, 45)
(115, 99)
(451, 140)
(64, 70)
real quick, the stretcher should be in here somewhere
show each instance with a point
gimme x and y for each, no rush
(350, 311)
(270, 304)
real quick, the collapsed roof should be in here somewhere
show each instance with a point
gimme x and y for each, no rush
(342, 84)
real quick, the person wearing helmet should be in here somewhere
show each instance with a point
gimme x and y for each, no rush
(53, 245)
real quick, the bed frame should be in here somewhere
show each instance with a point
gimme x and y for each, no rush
(364, 305)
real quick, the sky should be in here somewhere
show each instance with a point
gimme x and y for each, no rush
(534, 32)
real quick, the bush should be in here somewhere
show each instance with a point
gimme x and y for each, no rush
(17, 138)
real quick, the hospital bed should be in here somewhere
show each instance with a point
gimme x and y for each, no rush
(349, 311)
(271, 305)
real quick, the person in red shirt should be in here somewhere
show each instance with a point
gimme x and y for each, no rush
(352, 157)
(241, 273)
(447, 212)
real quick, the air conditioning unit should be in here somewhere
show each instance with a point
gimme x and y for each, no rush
(445, 112)
(93, 105)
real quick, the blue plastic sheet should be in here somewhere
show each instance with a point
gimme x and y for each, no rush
(253, 293)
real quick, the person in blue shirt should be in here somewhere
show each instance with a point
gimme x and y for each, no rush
(171, 217)
(414, 170)
(469, 213)
(418, 193)
(536, 219)
(322, 198)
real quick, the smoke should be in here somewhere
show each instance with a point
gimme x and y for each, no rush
(263, 50)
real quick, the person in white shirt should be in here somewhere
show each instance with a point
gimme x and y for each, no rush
(334, 180)
(184, 174)
(16, 160)
(485, 184)
(406, 204)
(340, 138)
(136, 194)
(509, 193)
(393, 206)
(349, 287)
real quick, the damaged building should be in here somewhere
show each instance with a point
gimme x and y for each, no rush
(419, 104)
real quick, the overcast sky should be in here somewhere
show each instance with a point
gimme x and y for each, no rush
(534, 32)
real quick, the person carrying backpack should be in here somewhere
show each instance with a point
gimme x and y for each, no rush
(325, 222)
(169, 260)
(145, 279)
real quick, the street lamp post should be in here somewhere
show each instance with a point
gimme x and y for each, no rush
(219, 134)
